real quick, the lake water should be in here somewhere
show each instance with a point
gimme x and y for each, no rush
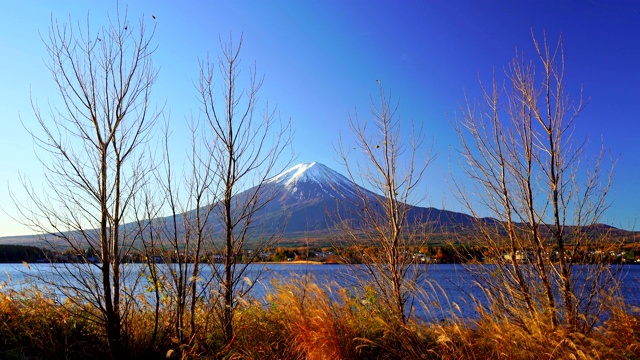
(445, 287)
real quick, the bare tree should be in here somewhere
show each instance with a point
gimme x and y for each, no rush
(174, 244)
(95, 161)
(150, 237)
(518, 148)
(393, 168)
(245, 150)
(189, 230)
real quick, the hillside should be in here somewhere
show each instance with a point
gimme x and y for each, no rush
(308, 199)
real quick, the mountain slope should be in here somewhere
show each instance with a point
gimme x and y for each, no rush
(308, 199)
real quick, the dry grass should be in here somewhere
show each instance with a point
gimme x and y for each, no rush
(301, 320)
(33, 326)
(489, 338)
(320, 323)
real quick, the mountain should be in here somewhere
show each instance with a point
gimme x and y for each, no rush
(308, 199)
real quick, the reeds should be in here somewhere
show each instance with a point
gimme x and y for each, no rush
(300, 319)
(33, 326)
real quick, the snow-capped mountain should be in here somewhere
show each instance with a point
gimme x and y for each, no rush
(311, 197)
(306, 200)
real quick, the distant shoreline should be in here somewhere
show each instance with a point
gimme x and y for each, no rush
(296, 262)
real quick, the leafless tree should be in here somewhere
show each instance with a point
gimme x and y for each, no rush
(531, 175)
(245, 150)
(188, 230)
(150, 239)
(175, 229)
(393, 169)
(93, 154)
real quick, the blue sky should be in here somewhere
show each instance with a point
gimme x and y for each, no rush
(321, 60)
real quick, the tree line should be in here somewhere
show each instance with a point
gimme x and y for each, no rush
(431, 254)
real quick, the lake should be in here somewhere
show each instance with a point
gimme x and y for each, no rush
(446, 286)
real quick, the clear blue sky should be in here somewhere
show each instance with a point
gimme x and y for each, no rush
(320, 60)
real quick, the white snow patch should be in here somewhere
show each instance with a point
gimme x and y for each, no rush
(315, 179)
(314, 171)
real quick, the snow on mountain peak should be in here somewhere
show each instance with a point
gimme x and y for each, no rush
(314, 171)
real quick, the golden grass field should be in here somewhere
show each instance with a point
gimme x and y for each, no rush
(300, 319)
